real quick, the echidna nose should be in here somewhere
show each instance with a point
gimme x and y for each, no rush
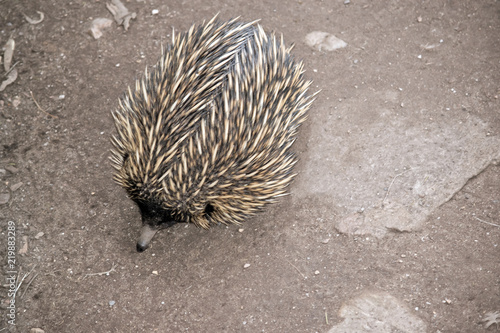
(141, 247)
(147, 233)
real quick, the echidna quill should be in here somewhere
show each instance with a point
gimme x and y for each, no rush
(205, 136)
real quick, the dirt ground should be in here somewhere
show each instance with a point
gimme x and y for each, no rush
(55, 127)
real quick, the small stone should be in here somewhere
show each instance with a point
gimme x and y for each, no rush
(4, 198)
(39, 235)
(325, 241)
(11, 169)
(155, 272)
(316, 272)
(24, 248)
(155, 11)
(16, 102)
(419, 19)
(111, 303)
(246, 265)
(15, 187)
(36, 330)
(324, 41)
(241, 230)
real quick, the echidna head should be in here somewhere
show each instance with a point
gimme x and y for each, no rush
(154, 218)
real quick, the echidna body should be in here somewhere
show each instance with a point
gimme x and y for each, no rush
(205, 136)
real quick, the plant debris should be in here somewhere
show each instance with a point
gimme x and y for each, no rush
(11, 73)
(9, 51)
(32, 21)
(491, 318)
(97, 25)
(120, 12)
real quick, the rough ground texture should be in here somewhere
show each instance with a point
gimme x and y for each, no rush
(396, 206)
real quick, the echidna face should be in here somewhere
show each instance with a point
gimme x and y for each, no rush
(154, 218)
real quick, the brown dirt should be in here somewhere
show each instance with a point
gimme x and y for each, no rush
(448, 272)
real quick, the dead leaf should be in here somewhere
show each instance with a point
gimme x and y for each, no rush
(10, 78)
(120, 13)
(9, 51)
(491, 318)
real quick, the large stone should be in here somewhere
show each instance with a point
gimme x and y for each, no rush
(376, 311)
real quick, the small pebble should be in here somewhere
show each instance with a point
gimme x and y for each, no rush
(24, 248)
(62, 96)
(111, 303)
(36, 330)
(325, 241)
(4, 198)
(316, 272)
(246, 265)
(155, 272)
(241, 230)
(15, 187)
(324, 41)
(39, 235)
(11, 169)
(155, 11)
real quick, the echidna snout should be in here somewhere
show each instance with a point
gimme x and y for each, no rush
(154, 218)
(147, 233)
(205, 136)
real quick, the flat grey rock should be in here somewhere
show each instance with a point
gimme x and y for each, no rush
(388, 172)
(375, 311)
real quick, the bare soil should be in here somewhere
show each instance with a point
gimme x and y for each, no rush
(302, 269)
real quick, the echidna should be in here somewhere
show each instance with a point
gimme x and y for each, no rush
(205, 136)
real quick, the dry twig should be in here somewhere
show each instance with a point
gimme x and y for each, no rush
(21, 282)
(28, 285)
(493, 224)
(102, 273)
(392, 182)
(40, 108)
(305, 277)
